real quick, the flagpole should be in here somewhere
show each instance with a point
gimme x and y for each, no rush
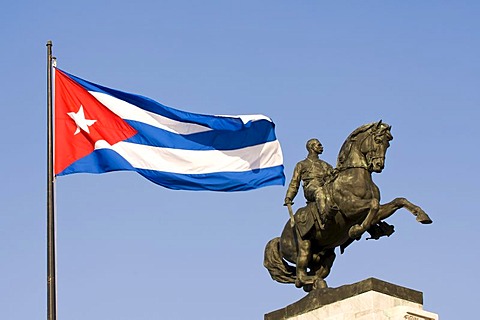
(51, 260)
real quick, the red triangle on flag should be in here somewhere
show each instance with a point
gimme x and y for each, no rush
(81, 121)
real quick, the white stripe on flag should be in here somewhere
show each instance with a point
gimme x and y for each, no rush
(197, 162)
(129, 111)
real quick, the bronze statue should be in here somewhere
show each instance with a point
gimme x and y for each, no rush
(342, 204)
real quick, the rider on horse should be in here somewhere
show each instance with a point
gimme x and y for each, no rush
(313, 173)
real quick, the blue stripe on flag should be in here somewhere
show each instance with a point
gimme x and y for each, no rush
(99, 161)
(257, 133)
(218, 181)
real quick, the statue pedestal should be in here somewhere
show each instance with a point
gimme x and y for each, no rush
(370, 299)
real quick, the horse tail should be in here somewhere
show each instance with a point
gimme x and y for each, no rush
(279, 270)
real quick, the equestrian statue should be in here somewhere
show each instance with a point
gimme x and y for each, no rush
(342, 204)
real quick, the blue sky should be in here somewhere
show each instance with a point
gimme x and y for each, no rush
(129, 249)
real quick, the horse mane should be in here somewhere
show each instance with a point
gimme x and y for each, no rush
(351, 139)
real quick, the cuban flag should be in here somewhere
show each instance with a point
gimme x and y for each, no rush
(98, 130)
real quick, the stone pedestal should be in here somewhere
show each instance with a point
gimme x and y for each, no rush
(371, 299)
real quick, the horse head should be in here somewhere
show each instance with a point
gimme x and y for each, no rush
(366, 147)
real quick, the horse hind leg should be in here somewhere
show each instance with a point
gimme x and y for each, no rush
(304, 260)
(324, 262)
(321, 265)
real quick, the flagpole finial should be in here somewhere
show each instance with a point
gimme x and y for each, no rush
(49, 43)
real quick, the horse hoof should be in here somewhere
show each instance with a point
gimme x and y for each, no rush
(320, 284)
(424, 218)
(308, 287)
(303, 281)
(299, 283)
(355, 231)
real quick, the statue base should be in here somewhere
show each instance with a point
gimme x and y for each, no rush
(370, 299)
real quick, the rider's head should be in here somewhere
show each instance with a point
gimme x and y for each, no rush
(313, 145)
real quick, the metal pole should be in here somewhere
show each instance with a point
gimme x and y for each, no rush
(51, 261)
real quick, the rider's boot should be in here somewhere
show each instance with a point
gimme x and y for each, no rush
(321, 208)
(332, 209)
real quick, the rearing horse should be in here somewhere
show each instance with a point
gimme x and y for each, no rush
(353, 200)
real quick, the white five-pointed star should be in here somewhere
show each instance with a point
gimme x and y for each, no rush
(80, 121)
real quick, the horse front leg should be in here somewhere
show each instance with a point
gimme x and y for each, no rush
(373, 207)
(387, 209)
